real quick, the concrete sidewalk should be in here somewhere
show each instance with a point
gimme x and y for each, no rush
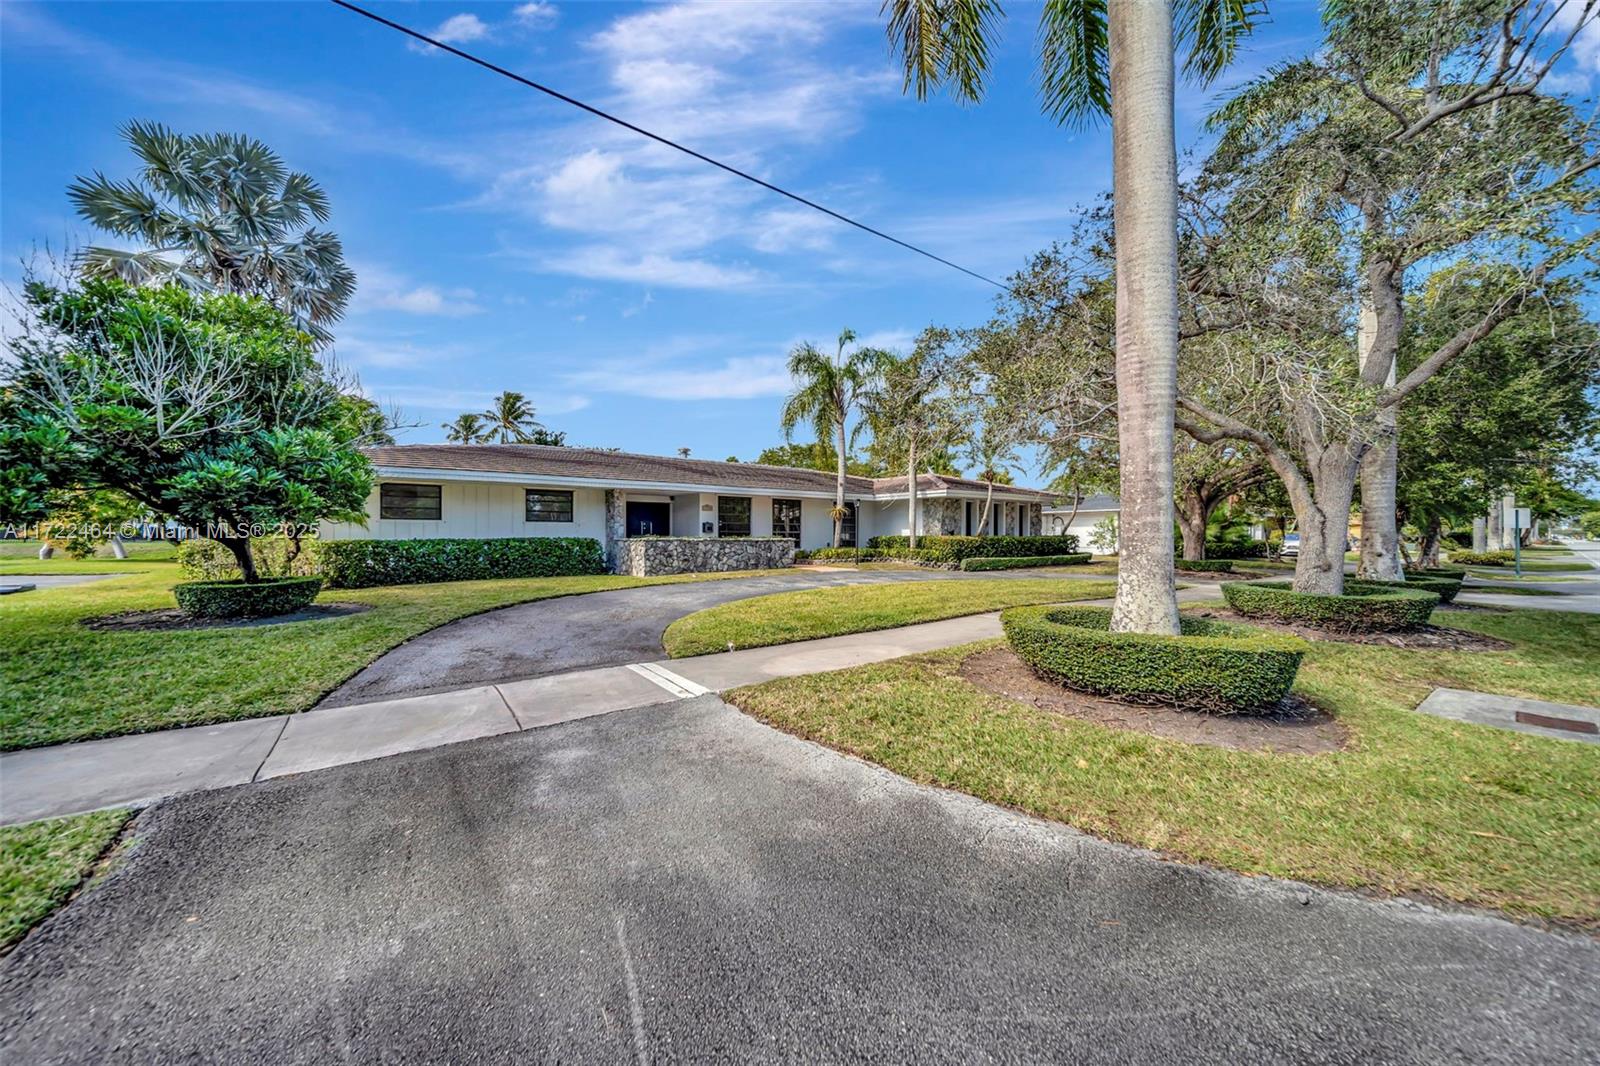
(68, 778)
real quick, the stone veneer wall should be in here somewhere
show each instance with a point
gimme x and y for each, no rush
(654, 556)
(942, 516)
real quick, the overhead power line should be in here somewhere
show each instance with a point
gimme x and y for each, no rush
(564, 98)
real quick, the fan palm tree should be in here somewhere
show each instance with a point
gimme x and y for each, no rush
(466, 429)
(220, 212)
(827, 392)
(511, 416)
(1099, 57)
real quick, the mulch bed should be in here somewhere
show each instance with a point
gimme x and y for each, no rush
(1437, 638)
(1294, 727)
(171, 618)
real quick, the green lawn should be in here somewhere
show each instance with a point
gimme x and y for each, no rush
(784, 617)
(1416, 804)
(137, 550)
(42, 862)
(1509, 574)
(1539, 566)
(60, 681)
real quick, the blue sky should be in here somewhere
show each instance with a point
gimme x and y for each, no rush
(505, 240)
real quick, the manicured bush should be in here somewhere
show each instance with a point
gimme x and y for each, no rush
(1362, 609)
(1494, 558)
(235, 599)
(1204, 566)
(954, 549)
(355, 564)
(1213, 666)
(1438, 571)
(1236, 549)
(874, 555)
(1023, 561)
(207, 560)
(1446, 587)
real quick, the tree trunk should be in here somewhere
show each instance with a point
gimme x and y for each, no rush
(1323, 521)
(118, 549)
(988, 504)
(45, 552)
(1428, 553)
(1145, 219)
(838, 497)
(1192, 518)
(1382, 318)
(240, 547)
(911, 487)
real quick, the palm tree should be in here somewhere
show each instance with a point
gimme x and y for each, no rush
(1115, 57)
(221, 212)
(993, 450)
(827, 391)
(909, 409)
(466, 429)
(511, 416)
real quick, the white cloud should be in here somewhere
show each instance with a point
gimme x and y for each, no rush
(536, 16)
(454, 401)
(361, 352)
(380, 289)
(739, 378)
(608, 263)
(460, 29)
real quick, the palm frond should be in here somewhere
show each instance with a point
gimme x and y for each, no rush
(1075, 61)
(1211, 29)
(943, 44)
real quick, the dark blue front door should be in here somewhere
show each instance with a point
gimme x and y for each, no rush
(649, 519)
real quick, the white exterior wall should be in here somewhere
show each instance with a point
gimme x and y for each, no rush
(1082, 524)
(477, 509)
(816, 523)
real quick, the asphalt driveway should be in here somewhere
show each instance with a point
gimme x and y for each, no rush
(681, 883)
(580, 632)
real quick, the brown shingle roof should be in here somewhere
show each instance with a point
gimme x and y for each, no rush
(598, 464)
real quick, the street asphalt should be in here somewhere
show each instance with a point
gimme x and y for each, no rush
(579, 632)
(681, 883)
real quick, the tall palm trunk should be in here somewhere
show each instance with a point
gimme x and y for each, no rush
(838, 495)
(1145, 191)
(911, 486)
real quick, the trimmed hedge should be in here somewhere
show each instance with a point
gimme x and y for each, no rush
(1494, 558)
(208, 560)
(1236, 549)
(235, 599)
(873, 555)
(1374, 608)
(1023, 561)
(954, 549)
(1213, 666)
(1451, 572)
(356, 564)
(1446, 587)
(1213, 566)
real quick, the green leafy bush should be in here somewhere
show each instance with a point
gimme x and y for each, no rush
(1023, 561)
(1494, 558)
(1236, 549)
(1446, 587)
(355, 564)
(1372, 608)
(954, 549)
(1438, 571)
(235, 599)
(206, 560)
(873, 555)
(1213, 666)
(1204, 566)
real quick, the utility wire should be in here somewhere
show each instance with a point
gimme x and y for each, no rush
(564, 98)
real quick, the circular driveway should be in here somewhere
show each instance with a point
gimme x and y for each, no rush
(579, 632)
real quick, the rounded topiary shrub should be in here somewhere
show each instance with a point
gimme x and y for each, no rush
(1205, 566)
(1499, 557)
(1363, 608)
(235, 599)
(1446, 587)
(1213, 666)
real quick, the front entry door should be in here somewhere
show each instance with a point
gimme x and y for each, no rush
(649, 519)
(786, 519)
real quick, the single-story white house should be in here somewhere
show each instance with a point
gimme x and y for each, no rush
(1080, 521)
(531, 490)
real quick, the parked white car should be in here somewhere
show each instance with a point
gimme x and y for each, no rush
(1291, 545)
